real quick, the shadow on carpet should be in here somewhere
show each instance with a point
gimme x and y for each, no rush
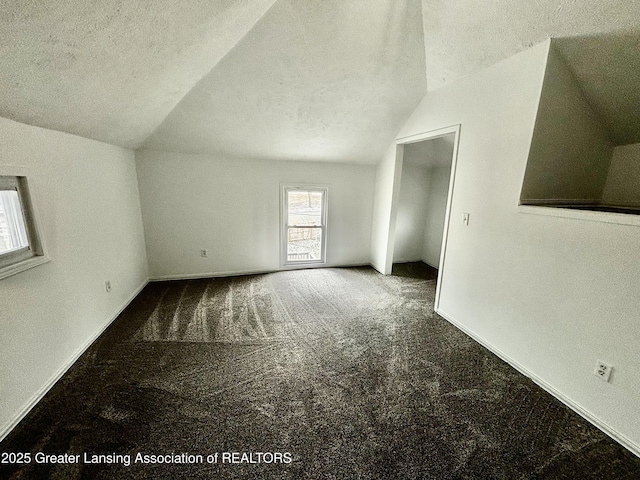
(326, 373)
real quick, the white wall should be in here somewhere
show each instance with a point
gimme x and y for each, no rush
(422, 201)
(231, 207)
(570, 152)
(435, 209)
(411, 214)
(387, 192)
(623, 182)
(550, 294)
(86, 198)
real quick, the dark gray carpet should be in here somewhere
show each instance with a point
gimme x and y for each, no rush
(348, 371)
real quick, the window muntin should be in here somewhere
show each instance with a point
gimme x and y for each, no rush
(304, 225)
(20, 245)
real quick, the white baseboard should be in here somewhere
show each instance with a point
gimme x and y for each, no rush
(195, 276)
(432, 266)
(598, 423)
(406, 261)
(414, 261)
(6, 429)
(236, 273)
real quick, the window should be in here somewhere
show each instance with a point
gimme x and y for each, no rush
(20, 246)
(304, 224)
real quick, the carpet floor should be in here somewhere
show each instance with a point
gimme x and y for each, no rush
(337, 373)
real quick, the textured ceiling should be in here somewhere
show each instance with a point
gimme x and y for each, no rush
(599, 39)
(111, 70)
(436, 152)
(464, 36)
(315, 79)
(607, 68)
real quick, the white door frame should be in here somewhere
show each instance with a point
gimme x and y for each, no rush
(400, 143)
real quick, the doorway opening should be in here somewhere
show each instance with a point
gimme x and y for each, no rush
(423, 187)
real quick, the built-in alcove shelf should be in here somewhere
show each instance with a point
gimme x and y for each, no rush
(604, 208)
(593, 207)
(578, 162)
(581, 213)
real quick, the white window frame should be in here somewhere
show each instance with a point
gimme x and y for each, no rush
(16, 261)
(284, 216)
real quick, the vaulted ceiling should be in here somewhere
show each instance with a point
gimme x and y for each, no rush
(329, 80)
(111, 70)
(313, 80)
(599, 40)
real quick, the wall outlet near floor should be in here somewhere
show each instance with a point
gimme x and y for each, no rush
(107, 285)
(603, 371)
(204, 252)
(465, 219)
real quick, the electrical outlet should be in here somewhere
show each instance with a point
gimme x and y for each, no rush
(603, 371)
(465, 219)
(107, 285)
(204, 253)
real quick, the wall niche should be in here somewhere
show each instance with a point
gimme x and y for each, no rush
(585, 150)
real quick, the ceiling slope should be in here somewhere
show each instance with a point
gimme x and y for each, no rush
(325, 80)
(607, 67)
(111, 70)
(464, 36)
(434, 152)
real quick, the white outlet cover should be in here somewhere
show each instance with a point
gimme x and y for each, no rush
(603, 371)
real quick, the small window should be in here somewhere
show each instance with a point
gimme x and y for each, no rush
(304, 224)
(20, 246)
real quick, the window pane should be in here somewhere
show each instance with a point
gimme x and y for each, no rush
(304, 244)
(13, 235)
(304, 208)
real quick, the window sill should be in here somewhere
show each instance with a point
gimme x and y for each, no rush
(23, 265)
(578, 214)
(309, 264)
